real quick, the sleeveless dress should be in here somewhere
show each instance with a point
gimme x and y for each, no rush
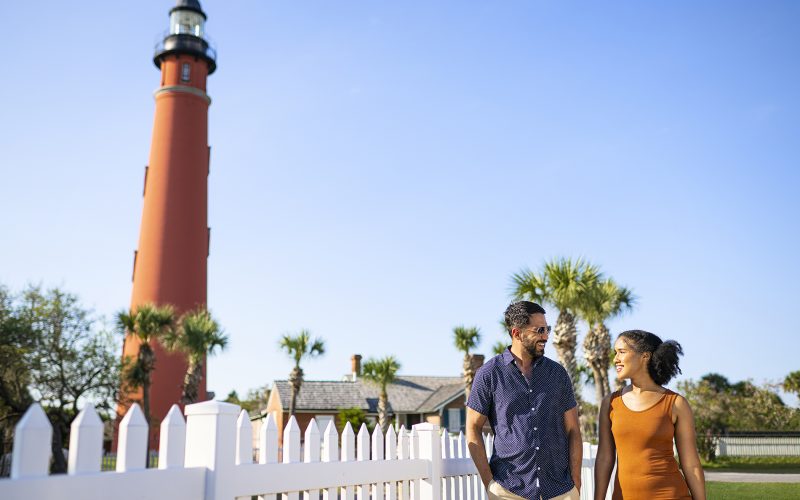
(646, 466)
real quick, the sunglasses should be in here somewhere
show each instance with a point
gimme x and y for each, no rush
(542, 330)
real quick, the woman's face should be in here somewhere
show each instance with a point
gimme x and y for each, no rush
(627, 362)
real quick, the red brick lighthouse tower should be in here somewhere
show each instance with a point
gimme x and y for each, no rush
(171, 259)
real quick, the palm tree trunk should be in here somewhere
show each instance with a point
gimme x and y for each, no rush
(596, 348)
(147, 359)
(295, 380)
(565, 340)
(469, 376)
(191, 381)
(383, 418)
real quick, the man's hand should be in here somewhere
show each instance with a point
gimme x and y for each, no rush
(577, 481)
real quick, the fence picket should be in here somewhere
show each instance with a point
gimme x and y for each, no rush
(244, 439)
(378, 448)
(291, 450)
(462, 481)
(330, 453)
(403, 453)
(172, 440)
(413, 446)
(362, 454)
(85, 442)
(132, 450)
(391, 454)
(311, 451)
(33, 437)
(268, 447)
(430, 449)
(348, 455)
(447, 482)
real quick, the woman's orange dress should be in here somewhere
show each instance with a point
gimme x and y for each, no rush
(646, 466)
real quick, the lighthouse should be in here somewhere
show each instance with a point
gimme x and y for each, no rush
(170, 262)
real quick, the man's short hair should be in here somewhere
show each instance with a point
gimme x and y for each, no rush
(518, 314)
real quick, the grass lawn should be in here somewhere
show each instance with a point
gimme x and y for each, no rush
(736, 491)
(777, 465)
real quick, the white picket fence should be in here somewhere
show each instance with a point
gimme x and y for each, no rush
(210, 457)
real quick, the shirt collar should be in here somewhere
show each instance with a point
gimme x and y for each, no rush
(508, 358)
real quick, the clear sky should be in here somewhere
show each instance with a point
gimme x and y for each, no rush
(380, 169)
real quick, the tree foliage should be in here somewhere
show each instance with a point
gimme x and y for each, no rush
(52, 350)
(299, 347)
(720, 406)
(466, 339)
(382, 372)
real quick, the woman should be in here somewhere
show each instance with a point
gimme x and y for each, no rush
(638, 424)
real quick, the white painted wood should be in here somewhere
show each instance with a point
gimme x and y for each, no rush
(211, 443)
(447, 481)
(244, 439)
(391, 454)
(172, 442)
(311, 449)
(430, 449)
(413, 446)
(132, 450)
(33, 436)
(462, 490)
(348, 455)
(85, 442)
(378, 449)
(403, 453)
(362, 454)
(330, 453)
(268, 446)
(291, 451)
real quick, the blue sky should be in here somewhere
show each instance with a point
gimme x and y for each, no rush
(380, 169)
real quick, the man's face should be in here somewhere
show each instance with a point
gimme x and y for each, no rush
(532, 341)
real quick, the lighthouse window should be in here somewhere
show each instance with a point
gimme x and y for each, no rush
(186, 69)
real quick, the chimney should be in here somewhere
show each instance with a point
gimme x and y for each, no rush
(477, 361)
(355, 366)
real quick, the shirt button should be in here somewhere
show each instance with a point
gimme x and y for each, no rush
(530, 390)
(533, 409)
(537, 447)
(535, 428)
(538, 468)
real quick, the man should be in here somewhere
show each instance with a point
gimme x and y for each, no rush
(531, 408)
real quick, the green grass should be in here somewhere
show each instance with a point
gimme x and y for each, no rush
(778, 465)
(736, 491)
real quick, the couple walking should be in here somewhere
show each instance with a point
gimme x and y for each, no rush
(529, 403)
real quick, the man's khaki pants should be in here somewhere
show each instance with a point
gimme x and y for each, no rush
(497, 492)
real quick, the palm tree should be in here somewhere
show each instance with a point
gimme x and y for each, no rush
(564, 283)
(198, 335)
(605, 300)
(381, 372)
(298, 347)
(148, 324)
(467, 339)
(499, 347)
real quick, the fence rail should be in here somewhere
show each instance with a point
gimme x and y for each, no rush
(209, 456)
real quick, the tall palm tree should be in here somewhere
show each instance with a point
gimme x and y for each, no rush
(198, 335)
(563, 283)
(606, 300)
(299, 347)
(148, 324)
(499, 347)
(381, 372)
(467, 339)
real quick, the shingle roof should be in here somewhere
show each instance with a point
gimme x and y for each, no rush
(408, 394)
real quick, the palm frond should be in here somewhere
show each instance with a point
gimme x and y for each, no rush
(466, 338)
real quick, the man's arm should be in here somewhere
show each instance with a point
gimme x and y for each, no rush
(475, 444)
(573, 430)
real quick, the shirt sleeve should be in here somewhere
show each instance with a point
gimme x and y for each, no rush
(480, 396)
(568, 395)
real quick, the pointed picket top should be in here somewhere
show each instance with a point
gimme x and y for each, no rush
(348, 443)
(377, 443)
(403, 448)
(244, 439)
(413, 443)
(85, 442)
(362, 443)
(33, 435)
(291, 441)
(391, 444)
(446, 451)
(330, 444)
(311, 448)
(463, 446)
(268, 441)
(172, 440)
(132, 447)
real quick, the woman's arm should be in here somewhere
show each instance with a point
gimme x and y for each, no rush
(686, 442)
(606, 452)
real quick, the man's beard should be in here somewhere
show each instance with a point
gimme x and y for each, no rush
(533, 351)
